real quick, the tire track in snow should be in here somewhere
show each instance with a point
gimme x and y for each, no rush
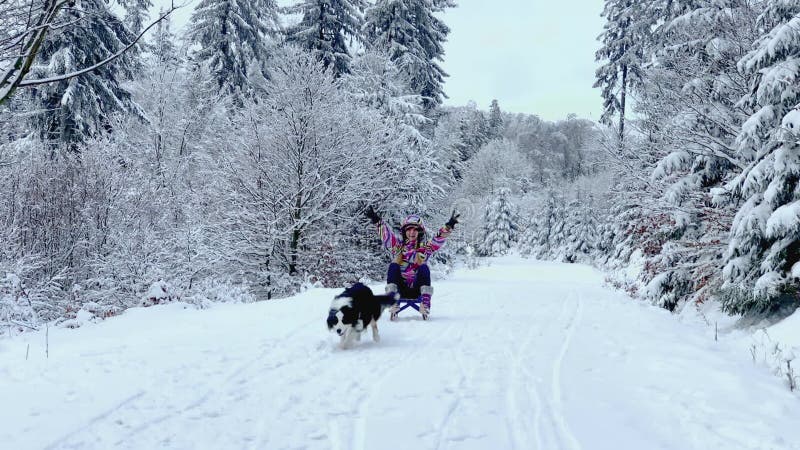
(460, 391)
(96, 419)
(334, 438)
(314, 363)
(236, 374)
(345, 429)
(523, 378)
(212, 388)
(364, 402)
(558, 405)
(444, 425)
(514, 380)
(359, 437)
(513, 421)
(516, 424)
(529, 382)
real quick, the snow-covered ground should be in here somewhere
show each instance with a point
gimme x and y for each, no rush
(517, 355)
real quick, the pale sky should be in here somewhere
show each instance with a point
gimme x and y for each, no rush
(533, 56)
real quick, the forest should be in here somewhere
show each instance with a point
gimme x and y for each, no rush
(232, 161)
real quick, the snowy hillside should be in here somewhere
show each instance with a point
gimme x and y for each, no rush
(517, 355)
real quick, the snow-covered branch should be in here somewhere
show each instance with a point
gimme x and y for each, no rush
(14, 76)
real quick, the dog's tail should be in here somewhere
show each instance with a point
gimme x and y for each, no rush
(388, 300)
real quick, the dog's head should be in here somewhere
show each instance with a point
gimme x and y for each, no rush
(342, 316)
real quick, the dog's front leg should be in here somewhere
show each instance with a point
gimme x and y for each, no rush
(375, 336)
(345, 340)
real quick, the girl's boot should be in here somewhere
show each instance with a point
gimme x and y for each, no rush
(391, 288)
(425, 305)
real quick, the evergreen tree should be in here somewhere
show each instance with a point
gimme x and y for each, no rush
(582, 231)
(413, 37)
(624, 33)
(74, 109)
(233, 41)
(536, 240)
(688, 103)
(136, 12)
(325, 27)
(375, 81)
(495, 120)
(607, 231)
(500, 226)
(559, 232)
(549, 224)
(163, 44)
(761, 264)
(690, 100)
(527, 237)
(669, 287)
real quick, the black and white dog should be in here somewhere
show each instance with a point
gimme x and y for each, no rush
(354, 310)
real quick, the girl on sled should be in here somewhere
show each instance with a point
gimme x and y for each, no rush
(408, 273)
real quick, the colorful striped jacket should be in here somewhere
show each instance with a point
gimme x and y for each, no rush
(410, 255)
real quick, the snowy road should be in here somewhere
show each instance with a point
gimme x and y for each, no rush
(517, 355)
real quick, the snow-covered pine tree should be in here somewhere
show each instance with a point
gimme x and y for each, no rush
(163, 46)
(535, 240)
(688, 104)
(559, 233)
(625, 31)
(581, 239)
(527, 235)
(136, 13)
(376, 82)
(689, 99)
(607, 230)
(495, 120)
(325, 27)
(72, 110)
(550, 226)
(671, 285)
(413, 37)
(762, 263)
(233, 38)
(500, 225)
(568, 250)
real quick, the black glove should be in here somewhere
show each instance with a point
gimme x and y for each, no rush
(453, 220)
(372, 215)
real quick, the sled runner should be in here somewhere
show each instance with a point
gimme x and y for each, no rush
(404, 303)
